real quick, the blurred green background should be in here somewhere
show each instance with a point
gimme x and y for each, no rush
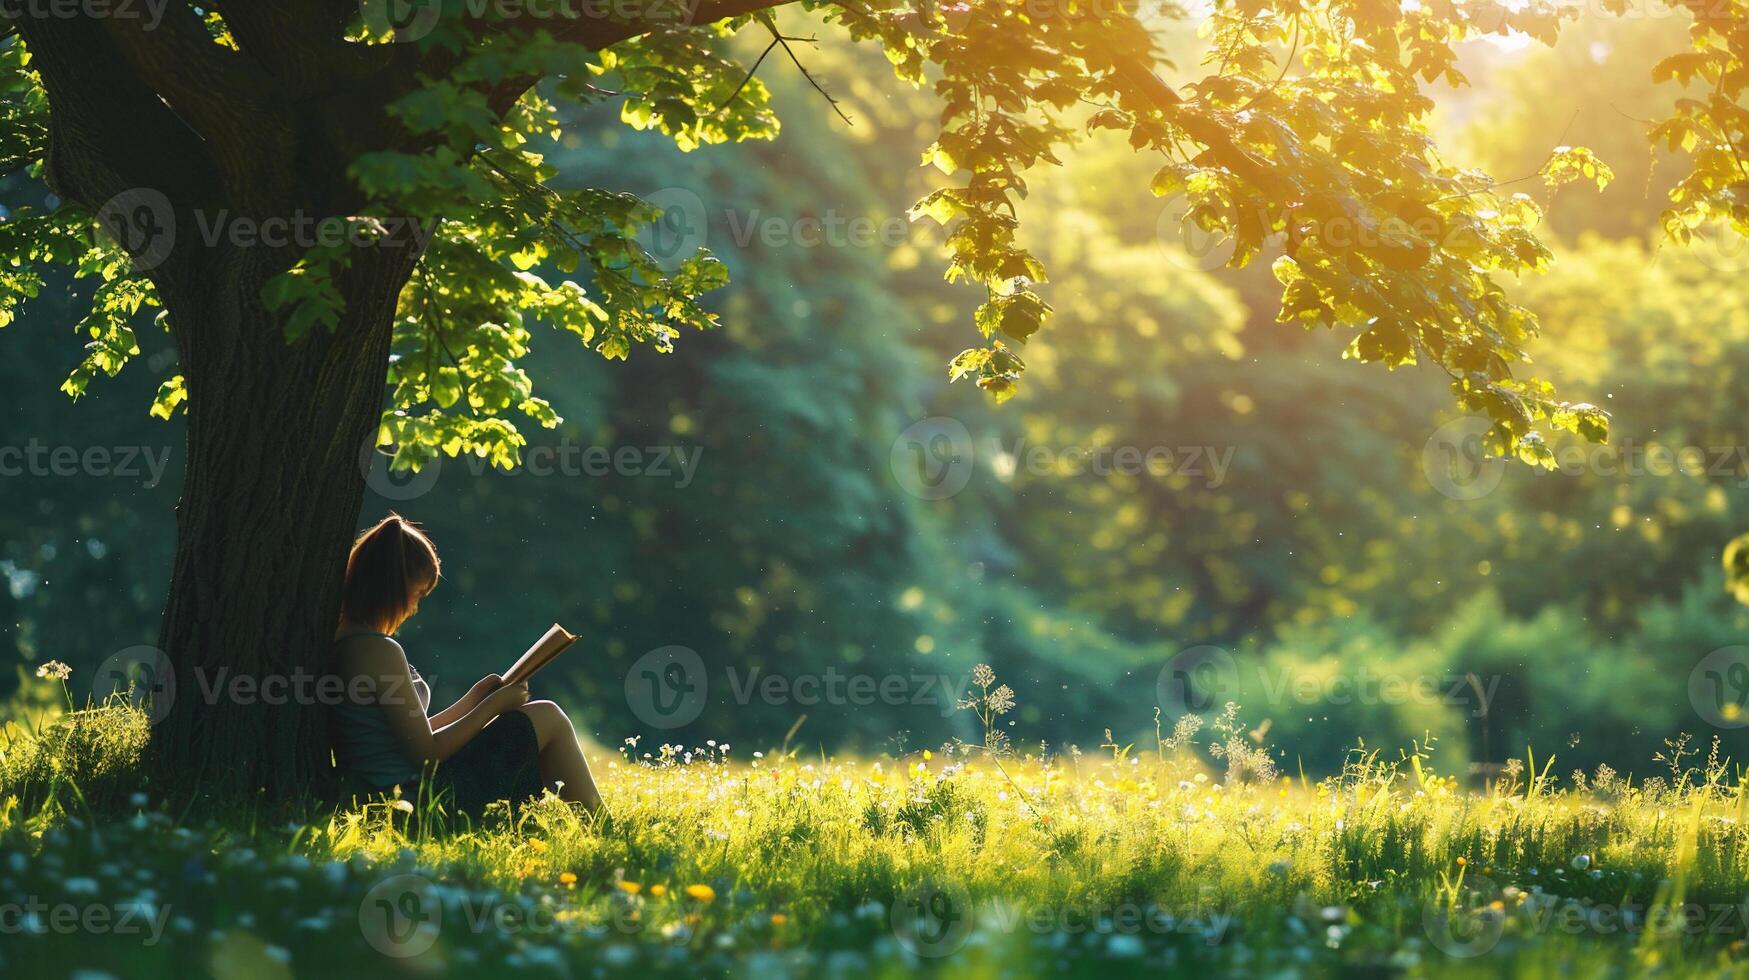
(1580, 601)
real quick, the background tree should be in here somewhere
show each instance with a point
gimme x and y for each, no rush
(279, 115)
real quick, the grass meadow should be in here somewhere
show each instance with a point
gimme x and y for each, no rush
(1190, 856)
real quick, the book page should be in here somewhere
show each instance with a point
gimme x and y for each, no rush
(552, 643)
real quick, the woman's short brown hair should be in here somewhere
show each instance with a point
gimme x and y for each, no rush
(392, 566)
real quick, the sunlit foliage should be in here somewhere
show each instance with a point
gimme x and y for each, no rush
(1306, 135)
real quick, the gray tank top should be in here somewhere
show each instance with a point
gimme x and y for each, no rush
(365, 747)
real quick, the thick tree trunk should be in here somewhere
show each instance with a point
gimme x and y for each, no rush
(270, 502)
(262, 128)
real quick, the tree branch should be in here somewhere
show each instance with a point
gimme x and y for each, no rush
(1146, 87)
(303, 44)
(596, 33)
(221, 94)
(108, 131)
(749, 77)
(772, 27)
(605, 33)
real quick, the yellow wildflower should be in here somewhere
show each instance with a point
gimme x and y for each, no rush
(703, 893)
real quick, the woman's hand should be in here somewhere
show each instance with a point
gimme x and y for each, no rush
(496, 697)
(507, 698)
(483, 688)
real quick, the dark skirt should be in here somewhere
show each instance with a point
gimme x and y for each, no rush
(501, 763)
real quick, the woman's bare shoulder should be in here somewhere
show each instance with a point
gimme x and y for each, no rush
(368, 651)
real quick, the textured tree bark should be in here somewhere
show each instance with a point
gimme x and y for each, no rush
(275, 429)
(270, 502)
(261, 128)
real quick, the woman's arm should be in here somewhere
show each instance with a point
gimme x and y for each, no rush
(379, 663)
(448, 740)
(483, 687)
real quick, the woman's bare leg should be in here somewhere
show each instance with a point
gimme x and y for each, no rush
(561, 758)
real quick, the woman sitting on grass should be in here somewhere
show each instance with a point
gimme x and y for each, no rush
(493, 744)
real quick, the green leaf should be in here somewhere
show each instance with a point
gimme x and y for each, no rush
(170, 394)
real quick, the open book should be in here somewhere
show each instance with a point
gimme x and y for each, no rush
(545, 650)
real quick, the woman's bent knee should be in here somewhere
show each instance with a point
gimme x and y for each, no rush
(550, 721)
(545, 711)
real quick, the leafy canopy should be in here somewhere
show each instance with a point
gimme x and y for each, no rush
(1306, 136)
